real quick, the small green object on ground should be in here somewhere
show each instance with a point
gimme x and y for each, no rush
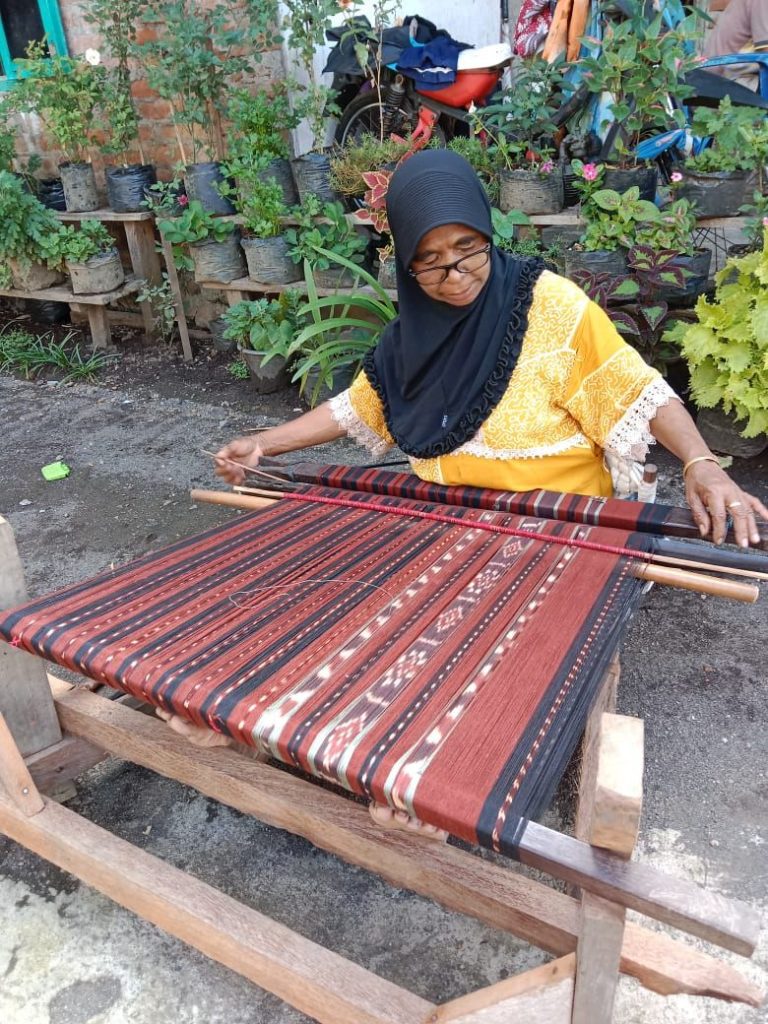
(55, 471)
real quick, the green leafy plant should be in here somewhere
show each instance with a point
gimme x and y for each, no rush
(731, 131)
(7, 147)
(196, 51)
(613, 219)
(519, 127)
(238, 369)
(365, 154)
(342, 330)
(167, 197)
(306, 22)
(312, 241)
(66, 94)
(257, 197)
(28, 230)
(588, 178)
(641, 65)
(267, 326)
(82, 243)
(30, 354)
(505, 227)
(634, 304)
(116, 22)
(160, 299)
(259, 123)
(726, 347)
(194, 225)
(476, 153)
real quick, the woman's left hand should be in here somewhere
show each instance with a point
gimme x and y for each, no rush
(713, 496)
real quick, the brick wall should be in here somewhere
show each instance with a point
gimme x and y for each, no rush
(157, 134)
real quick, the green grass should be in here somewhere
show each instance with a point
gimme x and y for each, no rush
(29, 354)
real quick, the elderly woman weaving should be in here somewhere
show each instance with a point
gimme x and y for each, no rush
(498, 373)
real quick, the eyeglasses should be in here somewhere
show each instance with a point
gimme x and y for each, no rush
(466, 265)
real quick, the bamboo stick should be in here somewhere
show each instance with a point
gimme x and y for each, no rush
(666, 575)
(245, 501)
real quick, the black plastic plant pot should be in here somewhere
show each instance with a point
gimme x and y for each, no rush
(217, 328)
(221, 262)
(312, 174)
(716, 193)
(45, 312)
(202, 181)
(101, 273)
(601, 261)
(280, 171)
(269, 261)
(126, 186)
(79, 185)
(531, 192)
(621, 178)
(697, 277)
(50, 192)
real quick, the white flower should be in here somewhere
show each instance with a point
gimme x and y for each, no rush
(92, 56)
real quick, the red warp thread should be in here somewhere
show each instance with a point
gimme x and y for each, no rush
(438, 517)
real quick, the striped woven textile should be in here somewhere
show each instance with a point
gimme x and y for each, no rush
(574, 508)
(440, 668)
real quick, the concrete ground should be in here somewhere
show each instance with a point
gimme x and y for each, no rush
(694, 669)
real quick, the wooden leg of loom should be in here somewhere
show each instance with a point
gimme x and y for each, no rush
(615, 771)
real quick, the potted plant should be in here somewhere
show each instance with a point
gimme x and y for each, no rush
(640, 67)
(329, 351)
(634, 302)
(312, 240)
(65, 93)
(257, 138)
(717, 179)
(214, 244)
(613, 223)
(190, 60)
(673, 233)
(265, 331)
(725, 351)
(266, 247)
(306, 22)
(116, 22)
(92, 260)
(520, 133)
(355, 159)
(28, 255)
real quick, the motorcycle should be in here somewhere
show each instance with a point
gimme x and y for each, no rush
(397, 104)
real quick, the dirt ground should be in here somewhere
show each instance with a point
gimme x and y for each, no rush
(693, 668)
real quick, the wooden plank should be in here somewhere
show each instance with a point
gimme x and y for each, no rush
(314, 980)
(571, 218)
(14, 775)
(674, 901)
(178, 301)
(496, 895)
(605, 701)
(107, 215)
(25, 698)
(64, 294)
(619, 787)
(614, 825)
(98, 324)
(140, 237)
(539, 996)
(247, 284)
(53, 767)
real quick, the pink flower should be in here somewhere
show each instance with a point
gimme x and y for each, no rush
(590, 172)
(183, 200)
(547, 167)
(675, 176)
(765, 222)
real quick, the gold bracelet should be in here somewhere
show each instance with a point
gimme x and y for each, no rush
(699, 458)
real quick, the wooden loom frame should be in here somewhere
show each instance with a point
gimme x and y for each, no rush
(55, 731)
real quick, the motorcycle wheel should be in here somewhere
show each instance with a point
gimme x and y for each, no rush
(363, 117)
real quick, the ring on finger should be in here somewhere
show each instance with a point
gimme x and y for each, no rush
(735, 504)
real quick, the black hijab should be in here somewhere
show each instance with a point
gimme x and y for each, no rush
(440, 370)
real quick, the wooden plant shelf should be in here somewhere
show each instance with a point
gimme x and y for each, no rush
(94, 306)
(106, 215)
(569, 218)
(237, 290)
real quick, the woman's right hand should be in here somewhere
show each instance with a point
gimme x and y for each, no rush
(243, 450)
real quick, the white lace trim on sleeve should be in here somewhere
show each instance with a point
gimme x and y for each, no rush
(344, 414)
(631, 437)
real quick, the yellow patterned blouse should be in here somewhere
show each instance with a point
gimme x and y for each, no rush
(577, 395)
